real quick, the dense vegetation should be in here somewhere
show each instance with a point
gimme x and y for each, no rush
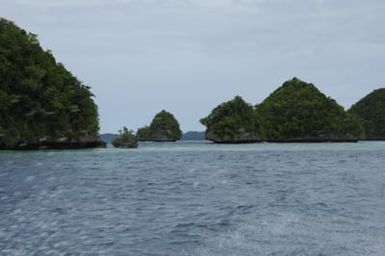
(299, 111)
(164, 127)
(233, 121)
(371, 109)
(40, 101)
(144, 134)
(125, 139)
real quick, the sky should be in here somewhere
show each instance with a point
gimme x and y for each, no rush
(188, 56)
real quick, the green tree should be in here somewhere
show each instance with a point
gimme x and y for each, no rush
(39, 98)
(144, 134)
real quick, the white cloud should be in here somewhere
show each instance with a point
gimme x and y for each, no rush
(208, 50)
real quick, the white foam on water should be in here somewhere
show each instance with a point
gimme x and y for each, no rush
(196, 183)
(290, 234)
(30, 178)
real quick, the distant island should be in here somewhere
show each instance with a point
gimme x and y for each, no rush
(125, 139)
(190, 135)
(164, 127)
(107, 137)
(295, 112)
(42, 105)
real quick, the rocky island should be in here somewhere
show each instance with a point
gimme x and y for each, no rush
(371, 110)
(42, 105)
(233, 121)
(295, 112)
(299, 112)
(125, 139)
(164, 127)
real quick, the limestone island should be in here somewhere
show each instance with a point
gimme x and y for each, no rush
(163, 128)
(299, 112)
(295, 112)
(371, 110)
(42, 105)
(125, 139)
(234, 121)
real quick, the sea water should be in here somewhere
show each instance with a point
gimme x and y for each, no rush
(195, 198)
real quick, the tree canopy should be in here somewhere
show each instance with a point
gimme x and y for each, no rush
(232, 121)
(144, 134)
(39, 99)
(299, 111)
(371, 110)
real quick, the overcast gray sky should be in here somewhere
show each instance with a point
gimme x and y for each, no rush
(187, 56)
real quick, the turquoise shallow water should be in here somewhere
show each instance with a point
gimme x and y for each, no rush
(195, 198)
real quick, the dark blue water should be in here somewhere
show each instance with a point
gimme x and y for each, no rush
(195, 199)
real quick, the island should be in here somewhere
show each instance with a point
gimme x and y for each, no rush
(371, 110)
(299, 112)
(295, 112)
(234, 121)
(163, 128)
(125, 139)
(42, 104)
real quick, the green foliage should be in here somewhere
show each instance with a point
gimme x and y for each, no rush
(144, 134)
(299, 110)
(125, 139)
(371, 109)
(231, 120)
(164, 126)
(39, 98)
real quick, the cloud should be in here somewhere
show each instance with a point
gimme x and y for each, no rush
(58, 3)
(154, 54)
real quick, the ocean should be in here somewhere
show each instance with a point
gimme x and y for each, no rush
(195, 198)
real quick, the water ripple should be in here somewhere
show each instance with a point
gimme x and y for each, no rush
(195, 199)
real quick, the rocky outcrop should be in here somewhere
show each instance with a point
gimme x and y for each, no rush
(60, 143)
(233, 121)
(299, 112)
(164, 128)
(125, 139)
(295, 112)
(237, 138)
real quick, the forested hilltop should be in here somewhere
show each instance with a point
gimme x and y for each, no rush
(295, 112)
(371, 110)
(233, 121)
(42, 105)
(298, 111)
(164, 127)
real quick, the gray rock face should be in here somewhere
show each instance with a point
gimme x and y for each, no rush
(125, 140)
(125, 144)
(58, 143)
(240, 137)
(162, 136)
